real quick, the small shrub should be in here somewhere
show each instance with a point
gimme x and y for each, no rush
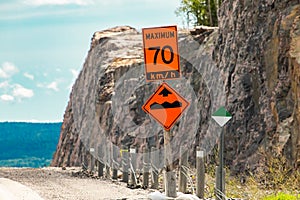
(281, 196)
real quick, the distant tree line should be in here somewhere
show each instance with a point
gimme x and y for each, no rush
(28, 144)
(199, 12)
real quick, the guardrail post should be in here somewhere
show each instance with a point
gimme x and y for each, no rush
(114, 162)
(92, 165)
(108, 161)
(183, 163)
(100, 163)
(133, 179)
(200, 178)
(154, 165)
(125, 164)
(146, 168)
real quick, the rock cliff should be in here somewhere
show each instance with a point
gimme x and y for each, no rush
(104, 112)
(258, 52)
(250, 65)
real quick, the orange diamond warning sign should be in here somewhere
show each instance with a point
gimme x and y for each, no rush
(165, 105)
(161, 53)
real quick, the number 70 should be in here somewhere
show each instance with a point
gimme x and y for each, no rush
(162, 51)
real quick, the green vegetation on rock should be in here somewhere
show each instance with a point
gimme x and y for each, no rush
(199, 12)
(281, 196)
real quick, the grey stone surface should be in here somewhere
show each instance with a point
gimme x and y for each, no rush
(250, 65)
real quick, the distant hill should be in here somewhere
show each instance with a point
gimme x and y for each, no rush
(28, 144)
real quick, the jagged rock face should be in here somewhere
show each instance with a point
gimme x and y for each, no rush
(250, 65)
(106, 100)
(70, 150)
(96, 77)
(258, 49)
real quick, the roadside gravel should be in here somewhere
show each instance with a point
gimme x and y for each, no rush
(57, 184)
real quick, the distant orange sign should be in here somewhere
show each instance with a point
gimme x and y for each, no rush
(161, 53)
(165, 106)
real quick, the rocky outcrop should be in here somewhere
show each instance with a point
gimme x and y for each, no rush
(106, 100)
(71, 149)
(257, 50)
(250, 65)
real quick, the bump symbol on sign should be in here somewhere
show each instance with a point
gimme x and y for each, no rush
(165, 93)
(165, 106)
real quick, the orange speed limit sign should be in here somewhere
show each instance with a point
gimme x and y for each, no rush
(161, 53)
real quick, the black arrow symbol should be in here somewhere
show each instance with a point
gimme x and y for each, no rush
(165, 92)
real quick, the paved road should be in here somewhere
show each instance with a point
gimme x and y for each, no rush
(12, 190)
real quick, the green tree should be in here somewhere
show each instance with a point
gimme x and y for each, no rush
(199, 12)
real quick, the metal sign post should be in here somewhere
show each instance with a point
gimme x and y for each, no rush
(221, 116)
(220, 178)
(165, 105)
(170, 177)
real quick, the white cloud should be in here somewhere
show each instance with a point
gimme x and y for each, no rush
(8, 69)
(40, 85)
(4, 84)
(29, 76)
(6, 97)
(37, 14)
(21, 92)
(58, 2)
(53, 86)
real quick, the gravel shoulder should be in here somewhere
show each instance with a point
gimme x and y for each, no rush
(54, 183)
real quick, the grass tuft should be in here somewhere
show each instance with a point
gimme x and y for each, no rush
(281, 196)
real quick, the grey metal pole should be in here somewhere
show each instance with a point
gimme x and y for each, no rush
(154, 164)
(125, 164)
(146, 167)
(183, 162)
(114, 162)
(220, 183)
(92, 165)
(133, 181)
(100, 168)
(200, 181)
(170, 177)
(108, 161)
(100, 163)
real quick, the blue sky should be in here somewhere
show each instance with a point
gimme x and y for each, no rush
(43, 45)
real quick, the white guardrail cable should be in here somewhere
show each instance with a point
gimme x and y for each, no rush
(187, 175)
(220, 195)
(132, 170)
(154, 170)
